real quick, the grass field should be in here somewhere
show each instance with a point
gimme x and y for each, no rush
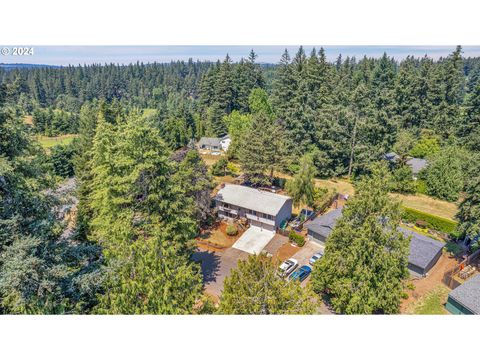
(429, 205)
(431, 303)
(48, 142)
(418, 202)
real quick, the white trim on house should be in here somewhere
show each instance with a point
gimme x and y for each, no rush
(260, 208)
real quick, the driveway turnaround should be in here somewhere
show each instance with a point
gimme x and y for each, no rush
(305, 253)
(216, 266)
(254, 240)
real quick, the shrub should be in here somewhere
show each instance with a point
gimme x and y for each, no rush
(232, 230)
(410, 286)
(427, 145)
(296, 238)
(232, 169)
(434, 222)
(453, 248)
(421, 186)
(220, 167)
(402, 180)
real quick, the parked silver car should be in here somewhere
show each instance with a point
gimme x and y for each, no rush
(315, 257)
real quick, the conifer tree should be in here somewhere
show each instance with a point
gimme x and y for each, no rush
(469, 130)
(144, 222)
(263, 149)
(366, 257)
(254, 288)
(469, 209)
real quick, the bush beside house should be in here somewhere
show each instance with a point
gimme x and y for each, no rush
(232, 230)
(296, 238)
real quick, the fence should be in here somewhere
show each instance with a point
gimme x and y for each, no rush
(449, 276)
(328, 203)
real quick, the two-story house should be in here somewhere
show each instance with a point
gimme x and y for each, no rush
(261, 208)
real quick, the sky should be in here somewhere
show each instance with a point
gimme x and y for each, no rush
(75, 55)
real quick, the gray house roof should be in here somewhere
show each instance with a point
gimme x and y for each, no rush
(323, 225)
(206, 141)
(423, 249)
(416, 164)
(468, 294)
(253, 199)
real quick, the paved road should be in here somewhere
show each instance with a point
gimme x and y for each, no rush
(216, 265)
(305, 253)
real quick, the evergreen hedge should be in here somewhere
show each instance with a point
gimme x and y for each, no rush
(434, 222)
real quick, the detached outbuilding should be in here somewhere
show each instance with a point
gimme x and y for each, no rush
(465, 299)
(319, 228)
(424, 251)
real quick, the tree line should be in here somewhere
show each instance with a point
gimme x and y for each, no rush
(144, 192)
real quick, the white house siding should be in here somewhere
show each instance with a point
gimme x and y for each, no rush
(258, 219)
(225, 143)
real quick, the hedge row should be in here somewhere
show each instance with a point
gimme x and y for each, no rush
(434, 222)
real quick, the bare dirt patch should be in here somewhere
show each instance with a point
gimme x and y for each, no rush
(286, 251)
(424, 286)
(28, 120)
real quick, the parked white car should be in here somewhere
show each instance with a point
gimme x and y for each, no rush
(287, 267)
(315, 257)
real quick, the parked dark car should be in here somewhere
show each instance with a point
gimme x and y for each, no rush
(301, 273)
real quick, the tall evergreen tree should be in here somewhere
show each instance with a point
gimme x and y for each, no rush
(254, 288)
(366, 257)
(263, 149)
(469, 209)
(144, 222)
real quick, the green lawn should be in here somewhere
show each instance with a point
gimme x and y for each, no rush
(48, 142)
(433, 302)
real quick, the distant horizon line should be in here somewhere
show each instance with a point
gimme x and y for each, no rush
(64, 56)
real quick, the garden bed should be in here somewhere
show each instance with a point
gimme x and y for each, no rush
(217, 237)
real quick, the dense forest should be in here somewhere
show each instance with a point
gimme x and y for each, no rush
(144, 192)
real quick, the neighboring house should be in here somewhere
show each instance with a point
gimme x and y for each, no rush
(207, 143)
(225, 142)
(319, 228)
(260, 208)
(465, 299)
(424, 251)
(214, 144)
(415, 164)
